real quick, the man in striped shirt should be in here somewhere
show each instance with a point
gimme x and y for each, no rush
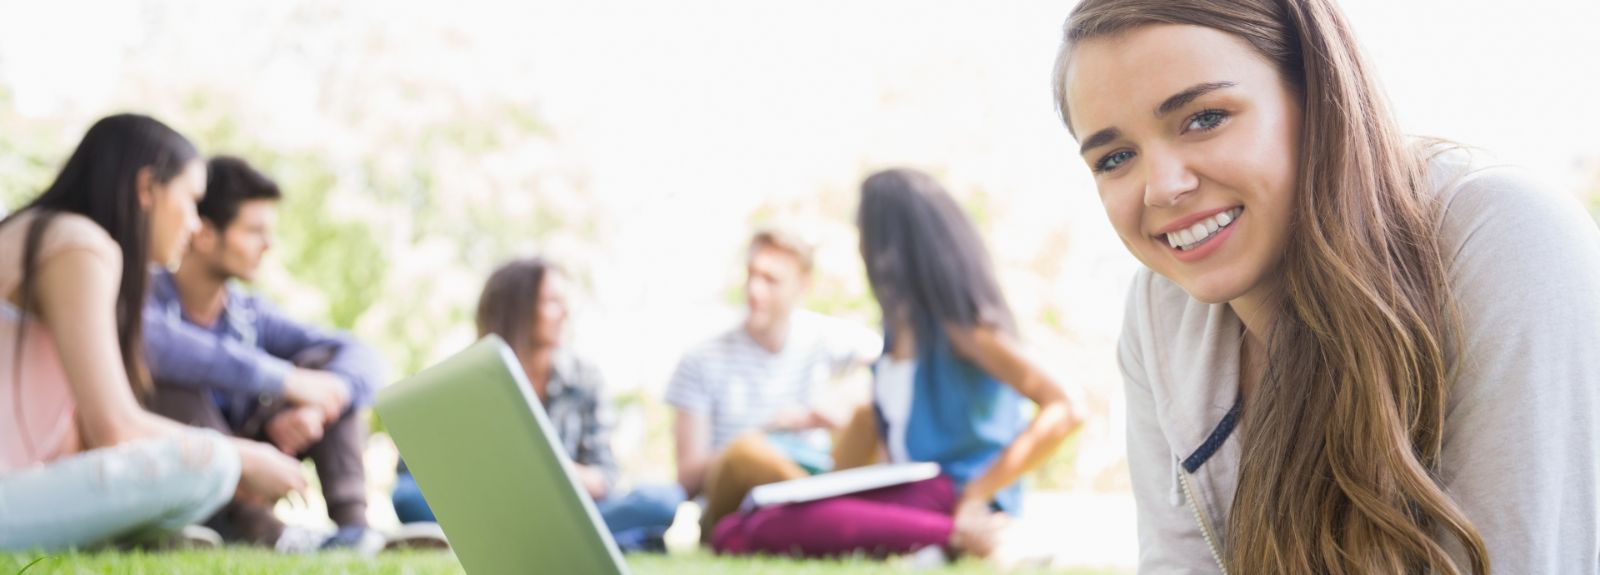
(746, 400)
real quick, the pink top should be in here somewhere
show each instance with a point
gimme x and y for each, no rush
(38, 420)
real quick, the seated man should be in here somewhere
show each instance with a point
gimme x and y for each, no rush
(225, 359)
(745, 401)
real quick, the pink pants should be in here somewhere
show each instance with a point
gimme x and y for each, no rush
(887, 521)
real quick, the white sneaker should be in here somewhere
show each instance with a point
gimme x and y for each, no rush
(297, 540)
(187, 538)
(198, 537)
(927, 558)
(418, 535)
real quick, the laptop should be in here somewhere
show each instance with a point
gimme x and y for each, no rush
(484, 454)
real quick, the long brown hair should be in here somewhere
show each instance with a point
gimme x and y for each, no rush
(507, 307)
(925, 260)
(99, 181)
(1341, 444)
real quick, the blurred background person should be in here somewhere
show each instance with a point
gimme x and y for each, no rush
(525, 303)
(746, 403)
(226, 359)
(81, 462)
(948, 389)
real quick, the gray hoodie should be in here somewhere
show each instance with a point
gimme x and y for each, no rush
(1522, 435)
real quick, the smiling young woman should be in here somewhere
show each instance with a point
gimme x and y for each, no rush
(1407, 342)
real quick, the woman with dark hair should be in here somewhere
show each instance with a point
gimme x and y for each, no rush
(1406, 343)
(81, 462)
(948, 389)
(525, 303)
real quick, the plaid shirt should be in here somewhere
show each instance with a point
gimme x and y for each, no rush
(581, 416)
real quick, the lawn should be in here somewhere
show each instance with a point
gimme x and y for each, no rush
(252, 561)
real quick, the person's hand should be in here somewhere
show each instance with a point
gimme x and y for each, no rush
(296, 429)
(592, 480)
(977, 528)
(267, 473)
(324, 390)
(796, 420)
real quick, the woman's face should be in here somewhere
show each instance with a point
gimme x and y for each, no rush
(171, 208)
(551, 310)
(1192, 137)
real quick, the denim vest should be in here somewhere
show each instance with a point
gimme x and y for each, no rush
(961, 417)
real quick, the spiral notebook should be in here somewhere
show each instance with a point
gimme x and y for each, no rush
(834, 484)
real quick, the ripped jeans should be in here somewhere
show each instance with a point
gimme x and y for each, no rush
(102, 495)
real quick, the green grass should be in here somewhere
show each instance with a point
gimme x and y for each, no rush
(707, 564)
(228, 561)
(243, 561)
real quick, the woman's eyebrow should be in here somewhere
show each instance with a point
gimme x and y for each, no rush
(1099, 138)
(1167, 106)
(1180, 99)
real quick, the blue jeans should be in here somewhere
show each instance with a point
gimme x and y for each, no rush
(409, 505)
(146, 486)
(636, 519)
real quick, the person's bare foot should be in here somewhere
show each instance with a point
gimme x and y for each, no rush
(977, 529)
(1012, 551)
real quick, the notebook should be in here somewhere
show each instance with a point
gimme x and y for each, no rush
(838, 483)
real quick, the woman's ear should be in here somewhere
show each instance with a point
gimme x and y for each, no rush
(145, 185)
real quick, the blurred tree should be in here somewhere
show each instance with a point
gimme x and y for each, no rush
(338, 257)
(1593, 193)
(27, 159)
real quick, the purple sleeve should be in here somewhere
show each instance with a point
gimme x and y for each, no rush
(182, 354)
(336, 352)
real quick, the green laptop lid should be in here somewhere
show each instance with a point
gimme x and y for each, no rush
(486, 458)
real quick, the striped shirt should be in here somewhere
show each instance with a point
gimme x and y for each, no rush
(742, 386)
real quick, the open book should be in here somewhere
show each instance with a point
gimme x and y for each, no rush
(838, 483)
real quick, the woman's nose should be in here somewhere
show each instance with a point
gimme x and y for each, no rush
(1168, 179)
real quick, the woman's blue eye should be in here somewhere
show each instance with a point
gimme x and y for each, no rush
(1205, 121)
(1112, 161)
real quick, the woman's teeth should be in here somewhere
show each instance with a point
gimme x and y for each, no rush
(1187, 238)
